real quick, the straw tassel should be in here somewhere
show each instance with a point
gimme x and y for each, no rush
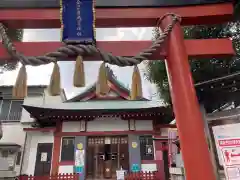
(102, 87)
(79, 75)
(20, 87)
(55, 81)
(136, 91)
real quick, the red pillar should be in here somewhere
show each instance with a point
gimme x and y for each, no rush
(189, 120)
(56, 149)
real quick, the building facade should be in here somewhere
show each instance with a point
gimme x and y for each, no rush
(89, 134)
(12, 118)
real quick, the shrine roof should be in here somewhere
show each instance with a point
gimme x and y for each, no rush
(114, 84)
(89, 110)
(99, 105)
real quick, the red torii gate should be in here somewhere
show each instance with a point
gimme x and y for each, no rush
(194, 147)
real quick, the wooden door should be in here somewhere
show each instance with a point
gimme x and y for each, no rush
(166, 162)
(43, 159)
(99, 159)
(124, 153)
(95, 157)
(103, 159)
(120, 154)
(114, 155)
(90, 159)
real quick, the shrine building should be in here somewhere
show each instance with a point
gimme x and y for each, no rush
(100, 133)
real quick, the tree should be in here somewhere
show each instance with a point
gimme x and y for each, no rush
(202, 69)
(236, 4)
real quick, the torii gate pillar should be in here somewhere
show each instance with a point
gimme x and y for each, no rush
(196, 156)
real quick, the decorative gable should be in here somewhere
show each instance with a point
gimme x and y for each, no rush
(117, 91)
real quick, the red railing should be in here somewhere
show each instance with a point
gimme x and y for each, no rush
(141, 176)
(67, 176)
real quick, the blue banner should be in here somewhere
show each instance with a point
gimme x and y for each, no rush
(78, 21)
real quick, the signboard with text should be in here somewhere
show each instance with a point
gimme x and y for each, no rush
(230, 152)
(79, 161)
(226, 131)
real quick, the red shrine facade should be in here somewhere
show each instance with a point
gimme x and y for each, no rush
(104, 133)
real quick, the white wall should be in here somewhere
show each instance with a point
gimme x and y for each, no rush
(30, 154)
(71, 126)
(99, 124)
(10, 159)
(13, 134)
(65, 169)
(25, 155)
(38, 100)
(144, 125)
(107, 124)
(149, 167)
(164, 131)
(51, 99)
(33, 138)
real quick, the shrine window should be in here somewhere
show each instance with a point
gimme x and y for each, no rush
(11, 110)
(146, 148)
(67, 152)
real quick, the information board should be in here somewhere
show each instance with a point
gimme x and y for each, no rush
(227, 141)
(230, 152)
(79, 161)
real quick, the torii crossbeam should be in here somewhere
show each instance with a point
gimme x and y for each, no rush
(195, 151)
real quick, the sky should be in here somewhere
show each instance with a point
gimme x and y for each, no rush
(41, 75)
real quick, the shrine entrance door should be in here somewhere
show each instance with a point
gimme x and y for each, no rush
(105, 155)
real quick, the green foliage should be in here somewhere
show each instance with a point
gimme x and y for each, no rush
(236, 4)
(202, 69)
(15, 35)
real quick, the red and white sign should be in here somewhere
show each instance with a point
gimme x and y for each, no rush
(232, 173)
(231, 156)
(229, 142)
(230, 150)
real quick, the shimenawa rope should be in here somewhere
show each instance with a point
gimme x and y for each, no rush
(20, 88)
(69, 50)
